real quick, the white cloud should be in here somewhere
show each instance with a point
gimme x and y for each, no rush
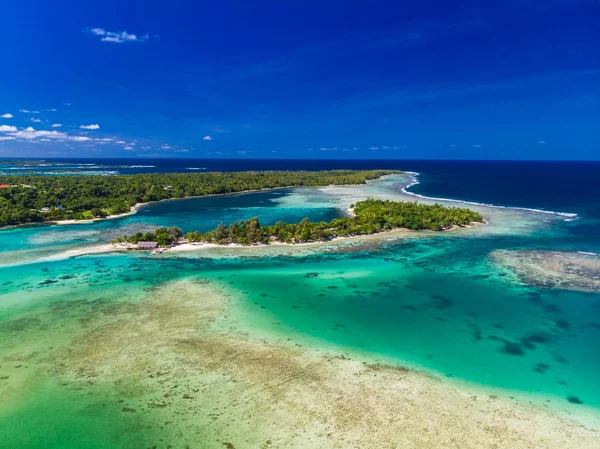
(7, 128)
(31, 134)
(121, 142)
(166, 147)
(541, 142)
(50, 110)
(95, 126)
(6, 138)
(36, 120)
(476, 146)
(207, 138)
(117, 37)
(373, 148)
(128, 148)
(27, 111)
(6, 116)
(56, 125)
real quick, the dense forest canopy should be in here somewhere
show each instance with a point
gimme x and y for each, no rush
(370, 217)
(30, 199)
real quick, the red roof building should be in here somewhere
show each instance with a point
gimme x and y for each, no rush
(4, 186)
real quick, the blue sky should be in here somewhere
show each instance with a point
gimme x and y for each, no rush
(326, 79)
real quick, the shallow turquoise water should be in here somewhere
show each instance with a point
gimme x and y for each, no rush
(423, 301)
(436, 303)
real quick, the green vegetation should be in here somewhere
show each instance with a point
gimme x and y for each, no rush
(162, 236)
(31, 199)
(371, 216)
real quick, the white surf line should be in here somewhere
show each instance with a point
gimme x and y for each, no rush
(415, 181)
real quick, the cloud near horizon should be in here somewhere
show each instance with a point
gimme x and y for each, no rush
(95, 126)
(207, 138)
(29, 133)
(6, 116)
(117, 37)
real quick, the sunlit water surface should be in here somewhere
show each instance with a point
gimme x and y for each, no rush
(433, 301)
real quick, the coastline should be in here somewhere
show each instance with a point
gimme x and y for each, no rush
(199, 246)
(136, 207)
(132, 210)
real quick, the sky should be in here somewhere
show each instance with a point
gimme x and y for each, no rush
(311, 79)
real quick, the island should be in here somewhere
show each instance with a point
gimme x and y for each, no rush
(35, 199)
(368, 217)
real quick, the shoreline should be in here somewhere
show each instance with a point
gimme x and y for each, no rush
(138, 206)
(199, 246)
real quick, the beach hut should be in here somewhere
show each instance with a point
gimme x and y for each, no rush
(147, 245)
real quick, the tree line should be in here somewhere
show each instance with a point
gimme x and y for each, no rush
(31, 199)
(370, 216)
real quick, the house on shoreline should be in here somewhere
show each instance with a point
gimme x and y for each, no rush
(146, 245)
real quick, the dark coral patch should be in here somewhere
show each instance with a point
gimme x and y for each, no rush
(440, 302)
(512, 348)
(552, 308)
(48, 281)
(541, 368)
(529, 340)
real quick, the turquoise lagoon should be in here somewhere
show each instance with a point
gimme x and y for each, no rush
(433, 301)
